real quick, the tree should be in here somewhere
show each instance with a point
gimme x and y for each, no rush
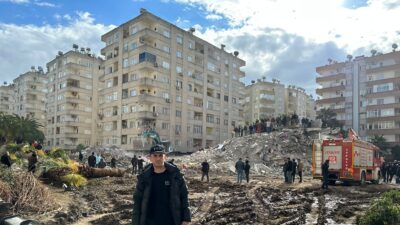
(19, 129)
(328, 118)
(396, 152)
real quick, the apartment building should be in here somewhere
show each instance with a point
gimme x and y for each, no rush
(365, 94)
(30, 95)
(71, 116)
(264, 99)
(299, 102)
(159, 76)
(7, 99)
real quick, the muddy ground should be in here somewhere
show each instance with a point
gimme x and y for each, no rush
(265, 200)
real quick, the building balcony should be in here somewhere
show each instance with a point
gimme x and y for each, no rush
(395, 92)
(331, 100)
(76, 66)
(320, 91)
(78, 100)
(383, 81)
(396, 117)
(383, 131)
(152, 83)
(383, 106)
(145, 115)
(339, 76)
(147, 98)
(150, 35)
(383, 68)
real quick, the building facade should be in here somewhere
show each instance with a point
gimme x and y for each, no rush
(365, 94)
(299, 102)
(7, 99)
(160, 77)
(72, 107)
(30, 95)
(263, 100)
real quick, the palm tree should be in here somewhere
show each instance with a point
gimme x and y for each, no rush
(19, 129)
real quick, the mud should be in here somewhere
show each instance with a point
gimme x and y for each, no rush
(265, 200)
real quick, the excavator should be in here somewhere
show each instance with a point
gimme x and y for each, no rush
(152, 135)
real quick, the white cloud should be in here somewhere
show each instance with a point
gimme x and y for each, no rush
(325, 28)
(36, 2)
(16, 1)
(213, 17)
(28, 45)
(45, 4)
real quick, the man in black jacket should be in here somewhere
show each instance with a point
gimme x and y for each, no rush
(325, 174)
(205, 167)
(92, 160)
(161, 189)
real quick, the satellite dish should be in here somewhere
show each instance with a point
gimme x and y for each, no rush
(33, 68)
(60, 53)
(236, 53)
(75, 46)
(394, 46)
(349, 57)
(192, 30)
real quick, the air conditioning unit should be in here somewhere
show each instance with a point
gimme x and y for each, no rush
(168, 100)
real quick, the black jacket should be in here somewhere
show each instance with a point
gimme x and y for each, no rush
(179, 196)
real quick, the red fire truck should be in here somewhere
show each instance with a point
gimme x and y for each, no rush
(350, 159)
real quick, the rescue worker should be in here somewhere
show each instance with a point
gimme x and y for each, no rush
(140, 164)
(239, 166)
(113, 162)
(134, 162)
(247, 170)
(325, 174)
(284, 169)
(161, 195)
(205, 167)
(392, 171)
(300, 170)
(80, 156)
(384, 171)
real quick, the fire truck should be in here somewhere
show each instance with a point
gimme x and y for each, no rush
(350, 159)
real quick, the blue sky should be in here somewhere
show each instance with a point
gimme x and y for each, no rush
(283, 39)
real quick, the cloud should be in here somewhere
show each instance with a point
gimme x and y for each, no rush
(45, 4)
(36, 45)
(35, 2)
(16, 1)
(213, 17)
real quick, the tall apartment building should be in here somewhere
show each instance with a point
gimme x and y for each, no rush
(264, 99)
(299, 102)
(71, 116)
(365, 94)
(7, 99)
(30, 95)
(159, 76)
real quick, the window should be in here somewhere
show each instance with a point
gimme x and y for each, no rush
(133, 92)
(133, 45)
(134, 61)
(178, 69)
(190, 87)
(125, 63)
(125, 109)
(178, 113)
(165, 65)
(191, 45)
(166, 49)
(134, 30)
(226, 98)
(178, 54)
(190, 58)
(165, 126)
(115, 96)
(179, 98)
(133, 77)
(125, 78)
(126, 47)
(197, 129)
(145, 56)
(166, 33)
(179, 39)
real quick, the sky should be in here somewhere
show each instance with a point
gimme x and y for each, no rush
(278, 39)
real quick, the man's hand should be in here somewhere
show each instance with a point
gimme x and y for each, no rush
(185, 223)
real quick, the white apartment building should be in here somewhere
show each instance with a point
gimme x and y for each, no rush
(365, 94)
(71, 116)
(161, 77)
(264, 99)
(7, 99)
(299, 102)
(30, 95)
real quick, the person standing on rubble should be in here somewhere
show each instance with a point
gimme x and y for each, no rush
(205, 167)
(289, 170)
(300, 170)
(80, 156)
(325, 174)
(294, 170)
(161, 189)
(92, 160)
(247, 170)
(134, 162)
(140, 164)
(239, 166)
(284, 170)
(113, 162)
(32, 160)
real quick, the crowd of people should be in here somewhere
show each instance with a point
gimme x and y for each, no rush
(291, 168)
(270, 124)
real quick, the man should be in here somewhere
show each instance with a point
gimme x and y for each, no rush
(284, 170)
(247, 170)
(80, 156)
(92, 160)
(113, 162)
(205, 167)
(300, 169)
(32, 160)
(239, 166)
(325, 174)
(5, 159)
(161, 190)
(134, 162)
(383, 171)
(294, 170)
(289, 170)
(140, 164)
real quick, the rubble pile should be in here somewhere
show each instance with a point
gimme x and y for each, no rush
(265, 151)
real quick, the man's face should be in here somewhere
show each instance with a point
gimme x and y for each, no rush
(157, 159)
